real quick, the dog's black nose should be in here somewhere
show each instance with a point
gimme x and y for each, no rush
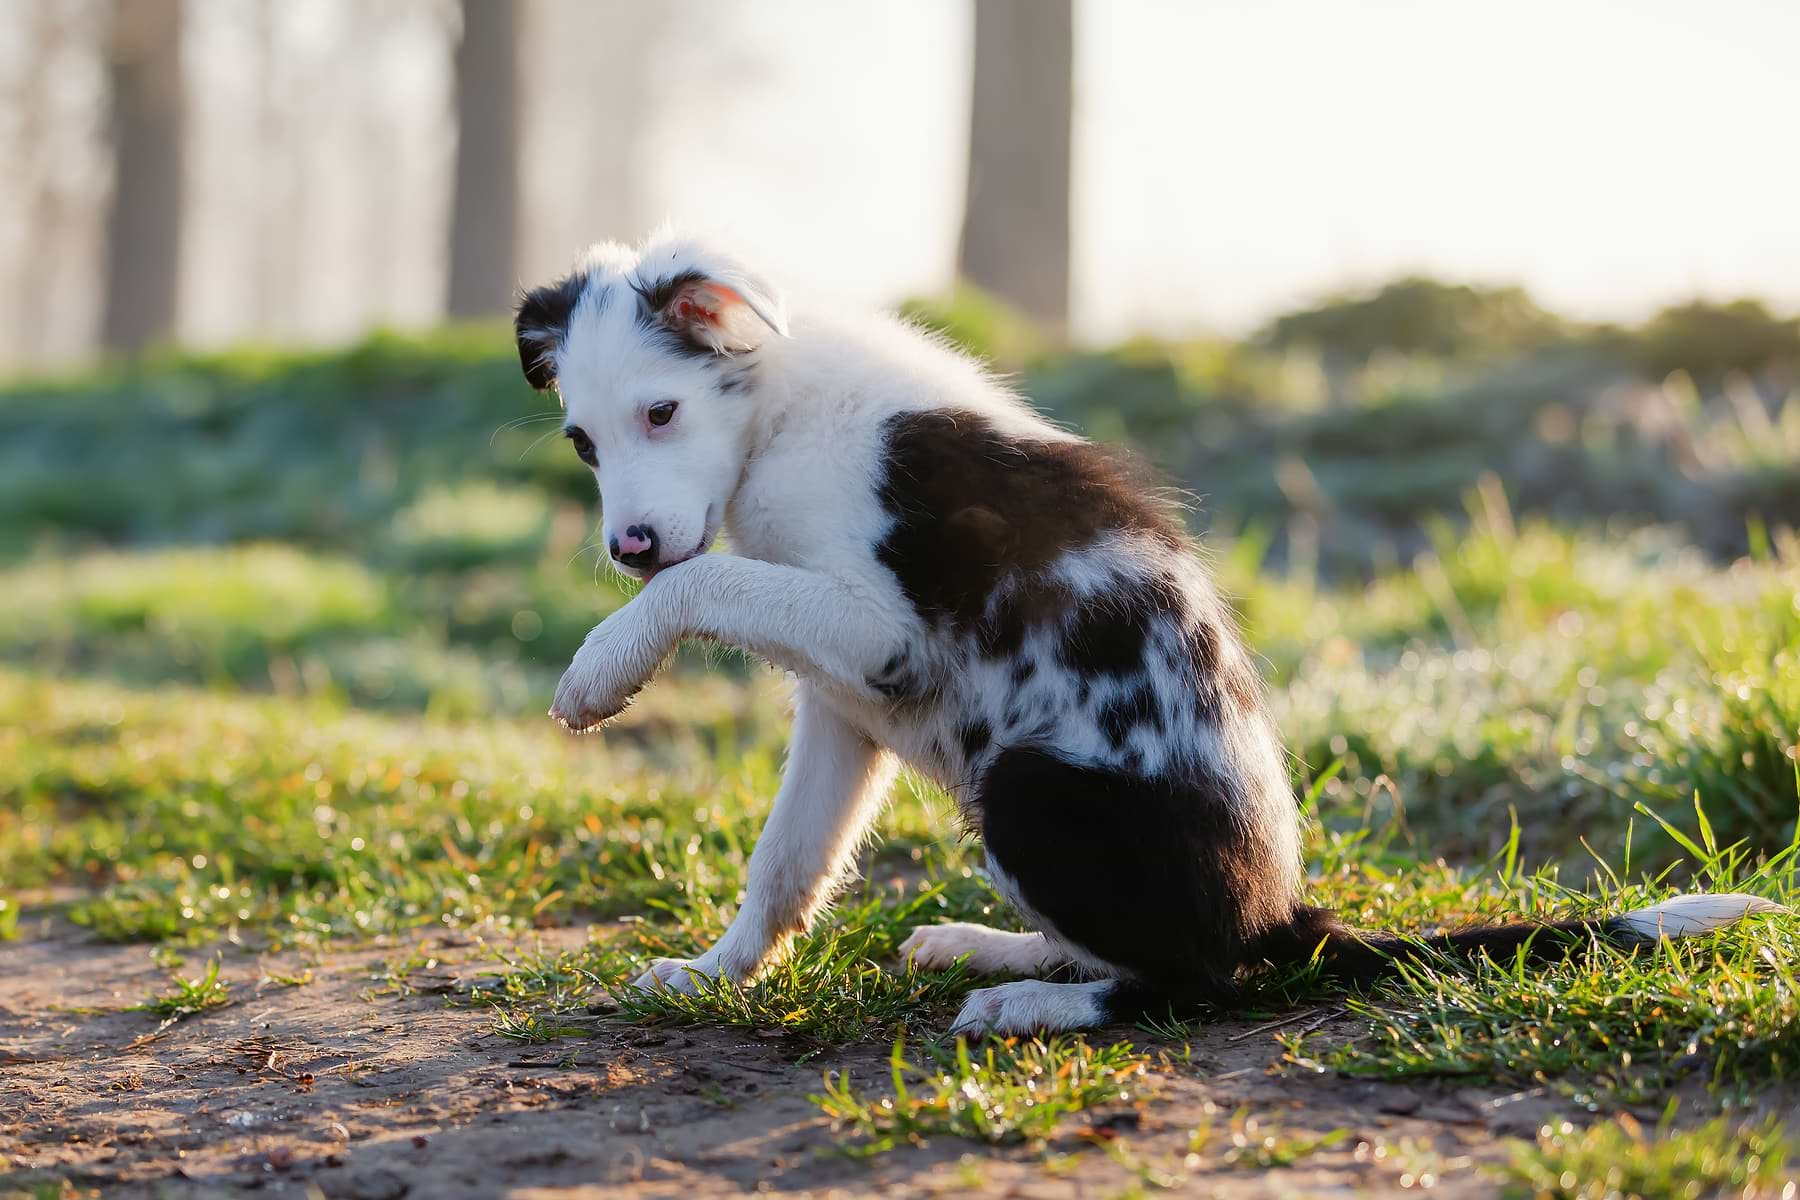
(637, 548)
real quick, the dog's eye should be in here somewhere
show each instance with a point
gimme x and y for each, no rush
(662, 412)
(584, 445)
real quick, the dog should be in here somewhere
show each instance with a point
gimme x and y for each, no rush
(962, 587)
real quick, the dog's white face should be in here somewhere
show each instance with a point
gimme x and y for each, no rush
(665, 445)
(651, 354)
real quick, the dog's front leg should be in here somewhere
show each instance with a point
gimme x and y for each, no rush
(835, 782)
(817, 625)
(806, 621)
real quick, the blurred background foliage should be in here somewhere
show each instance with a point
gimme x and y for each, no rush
(1517, 571)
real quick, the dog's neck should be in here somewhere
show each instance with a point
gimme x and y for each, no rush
(814, 450)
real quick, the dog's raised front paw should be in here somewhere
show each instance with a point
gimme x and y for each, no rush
(585, 703)
(609, 670)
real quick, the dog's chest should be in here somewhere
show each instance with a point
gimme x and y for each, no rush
(805, 502)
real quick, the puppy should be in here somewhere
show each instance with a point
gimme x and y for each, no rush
(962, 587)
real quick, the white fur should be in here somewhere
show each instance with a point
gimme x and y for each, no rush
(1690, 916)
(1032, 1006)
(989, 951)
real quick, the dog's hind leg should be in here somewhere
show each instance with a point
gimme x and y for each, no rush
(990, 951)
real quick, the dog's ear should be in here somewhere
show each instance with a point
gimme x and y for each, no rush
(541, 323)
(707, 301)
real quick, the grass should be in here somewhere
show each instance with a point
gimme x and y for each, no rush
(1622, 1024)
(191, 814)
(1256, 1144)
(841, 984)
(1001, 1091)
(189, 997)
(1727, 1156)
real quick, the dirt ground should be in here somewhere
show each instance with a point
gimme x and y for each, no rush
(339, 1088)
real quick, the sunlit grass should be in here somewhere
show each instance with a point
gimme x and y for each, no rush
(1626, 1023)
(185, 815)
(1253, 1143)
(996, 1091)
(189, 997)
(1727, 1156)
(838, 985)
(488, 635)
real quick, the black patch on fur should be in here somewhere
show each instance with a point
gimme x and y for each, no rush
(1361, 957)
(1001, 631)
(656, 294)
(1156, 875)
(1125, 712)
(973, 507)
(1022, 670)
(1106, 637)
(541, 323)
(1219, 685)
(975, 738)
(896, 680)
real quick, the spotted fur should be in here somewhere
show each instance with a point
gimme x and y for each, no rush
(964, 588)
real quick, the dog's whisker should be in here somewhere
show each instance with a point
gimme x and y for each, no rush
(521, 422)
(581, 550)
(536, 444)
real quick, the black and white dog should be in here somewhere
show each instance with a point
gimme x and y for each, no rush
(962, 587)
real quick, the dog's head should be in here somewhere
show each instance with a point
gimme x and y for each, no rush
(651, 352)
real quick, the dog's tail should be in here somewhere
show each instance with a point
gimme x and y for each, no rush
(1360, 957)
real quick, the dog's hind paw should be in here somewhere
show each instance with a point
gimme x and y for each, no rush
(989, 951)
(1033, 1006)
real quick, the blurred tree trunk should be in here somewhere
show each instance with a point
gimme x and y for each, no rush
(143, 246)
(1015, 236)
(484, 206)
(28, 152)
(272, 287)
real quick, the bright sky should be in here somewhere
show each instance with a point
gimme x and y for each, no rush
(1234, 159)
